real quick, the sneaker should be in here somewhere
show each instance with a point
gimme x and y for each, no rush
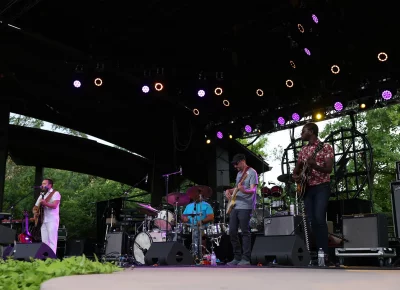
(233, 262)
(244, 263)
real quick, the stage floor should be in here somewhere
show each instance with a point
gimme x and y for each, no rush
(223, 277)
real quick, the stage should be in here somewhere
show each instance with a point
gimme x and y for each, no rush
(223, 277)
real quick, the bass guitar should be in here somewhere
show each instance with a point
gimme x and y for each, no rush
(304, 174)
(232, 201)
(25, 237)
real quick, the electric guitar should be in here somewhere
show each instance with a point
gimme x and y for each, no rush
(232, 201)
(25, 237)
(305, 171)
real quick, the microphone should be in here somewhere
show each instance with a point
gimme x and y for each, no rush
(147, 177)
(37, 187)
(180, 170)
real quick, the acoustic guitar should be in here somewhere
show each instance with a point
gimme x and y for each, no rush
(25, 237)
(232, 201)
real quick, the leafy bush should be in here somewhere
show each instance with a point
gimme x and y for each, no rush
(29, 275)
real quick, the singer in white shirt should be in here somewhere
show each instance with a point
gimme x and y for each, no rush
(51, 219)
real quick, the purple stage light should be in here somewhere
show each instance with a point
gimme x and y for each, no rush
(281, 121)
(307, 51)
(296, 117)
(201, 93)
(77, 84)
(220, 135)
(338, 106)
(315, 18)
(145, 89)
(386, 95)
(247, 128)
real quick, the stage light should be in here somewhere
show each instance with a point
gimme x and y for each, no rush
(363, 106)
(77, 84)
(201, 93)
(247, 128)
(382, 56)
(386, 95)
(292, 64)
(226, 103)
(335, 69)
(296, 117)
(338, 106)
(145, 89)
(307, 51)
(315, 18)
(158, 86)
(98, 82)
(281, 121)
(196, 112)
(220, 135)
(208, 141)
(300, 27)
(218, 91)
(318, 116)
(289, 83)
(260, 92)
(230, 136)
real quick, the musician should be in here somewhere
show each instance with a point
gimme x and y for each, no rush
(203, 220)
(241, 214)
(317, 191)
(49, 199)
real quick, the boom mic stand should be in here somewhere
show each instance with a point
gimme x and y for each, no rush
(12, 208)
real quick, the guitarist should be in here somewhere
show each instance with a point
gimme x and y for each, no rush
(49, 200)
(317, 191)
(241, 214)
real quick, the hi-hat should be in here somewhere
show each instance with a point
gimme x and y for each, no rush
(177, 198)
(147, 209)
(195, 191)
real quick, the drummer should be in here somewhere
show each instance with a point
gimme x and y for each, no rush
(204, 216)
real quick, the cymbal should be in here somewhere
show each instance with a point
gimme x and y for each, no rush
(285, 178)
(147, 209)
(177, 198)
(195, 191)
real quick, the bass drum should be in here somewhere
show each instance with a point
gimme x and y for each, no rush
(143, 241)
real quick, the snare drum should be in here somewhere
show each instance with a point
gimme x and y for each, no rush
(183, 229)
(216, 230)
(161, 221)
(277, 204)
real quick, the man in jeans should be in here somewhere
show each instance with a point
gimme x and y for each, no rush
(318, 189)
(241, 214)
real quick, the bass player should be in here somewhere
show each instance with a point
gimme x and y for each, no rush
(243, 207)
(49, 202)
(317, 190)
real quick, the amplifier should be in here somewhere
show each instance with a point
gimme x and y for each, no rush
(365, 231)
(62, 234)
(395, 187)
(398, 170)
(283, 226)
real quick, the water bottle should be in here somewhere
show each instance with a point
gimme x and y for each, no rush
(321, 258)
(291, 209)
(213, 259)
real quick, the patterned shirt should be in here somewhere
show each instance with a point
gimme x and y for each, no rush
(316, 177)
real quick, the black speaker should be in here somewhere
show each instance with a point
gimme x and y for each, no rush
(365, 231)
(395, 186)
(7, 235)
(398, 170)
(27, 251)
(168, 253)
(285, 250)
(75, 247)
(117, 243)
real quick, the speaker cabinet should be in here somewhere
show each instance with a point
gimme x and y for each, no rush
(395, 186)
(398, 170)
(365, 231)
(25, 252)
(168, 253)
(7, 235)
(117, 243)
(283, 226)
(75, 247)
(285, 250)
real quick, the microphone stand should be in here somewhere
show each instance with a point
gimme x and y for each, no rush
(12, 208)
(166, 176)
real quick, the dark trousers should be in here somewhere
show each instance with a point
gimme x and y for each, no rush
(240, 218)
(316, 202)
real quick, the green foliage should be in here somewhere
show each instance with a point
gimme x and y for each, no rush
(30, 275)
(257, 147)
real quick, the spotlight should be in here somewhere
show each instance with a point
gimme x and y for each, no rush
(318, 116)
(307, 51)
(338, 106)
(196, 112)
(220, 135)
(98, 82)
(145, 89)
(201, 93)
(335, 69)
(218, 91)
(300, 27)
(77, 84)
(382, 56)
(363, 106)
(296, 117)
(158, 86)
(289, 83)
(260, 92)
(226, 103)
(315, 18)
(281, 121)
(230, 136)
(292, 64)
(386, 95)
(247, 128)
(208, 141)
